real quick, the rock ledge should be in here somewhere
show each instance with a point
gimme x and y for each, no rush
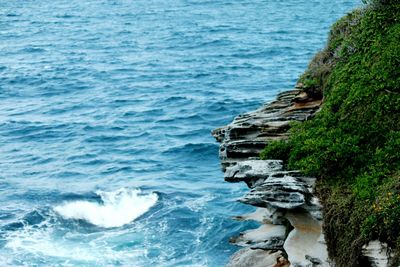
(289, 213)
(287, 209)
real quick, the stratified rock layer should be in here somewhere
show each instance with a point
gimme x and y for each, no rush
(288, 211)
(247, 135)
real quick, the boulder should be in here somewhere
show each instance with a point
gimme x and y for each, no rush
(285, 192)
(267, 236)
(257, 258)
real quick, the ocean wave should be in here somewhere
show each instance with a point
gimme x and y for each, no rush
(118, 208)
(194, 149)
(33, 50)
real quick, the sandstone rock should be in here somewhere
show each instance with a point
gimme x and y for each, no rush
(377, 253)
(257, 258)
(285, 192)
(314, 207)
(267, 236)
(305, 244)
(258, 215)
(264, 215)
(248, 134)
(250, 171)
(282, 197)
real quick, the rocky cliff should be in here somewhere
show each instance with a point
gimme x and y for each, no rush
(289, 213)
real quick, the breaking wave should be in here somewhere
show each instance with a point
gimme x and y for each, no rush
(118, 208)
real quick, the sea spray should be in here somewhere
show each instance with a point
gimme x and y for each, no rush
(118, 208)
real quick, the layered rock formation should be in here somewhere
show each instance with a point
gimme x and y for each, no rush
(289, 213)
(248, 134)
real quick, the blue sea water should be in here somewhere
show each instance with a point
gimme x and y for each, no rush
(106, 108)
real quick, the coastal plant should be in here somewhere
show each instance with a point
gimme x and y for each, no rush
(277, 150)
(379, 3)
(314, 79)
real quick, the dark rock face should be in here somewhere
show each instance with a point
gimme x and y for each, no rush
(284, 198)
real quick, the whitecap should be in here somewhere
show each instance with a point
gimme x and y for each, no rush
(119, 207)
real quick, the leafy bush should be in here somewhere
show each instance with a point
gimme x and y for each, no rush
(379, 3)
(314, 79)
(276, 150)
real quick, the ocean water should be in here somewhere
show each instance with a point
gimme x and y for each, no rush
(106, 108)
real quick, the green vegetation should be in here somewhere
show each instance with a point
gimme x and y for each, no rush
(353, 144)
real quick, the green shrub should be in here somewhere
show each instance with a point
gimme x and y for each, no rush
(380, 3)
(314, 79)
(276, 150)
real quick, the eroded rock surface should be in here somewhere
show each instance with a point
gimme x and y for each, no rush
(257, 258)
(377, 253)
(305, 244)
(251, 171)
(267, 236)
(263, 215)
(247, 135)
(289, 213)
(285, 192)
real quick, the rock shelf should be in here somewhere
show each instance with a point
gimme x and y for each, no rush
(290, 215)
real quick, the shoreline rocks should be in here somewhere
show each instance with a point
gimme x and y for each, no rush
(257, 258)
(290, 214)
(290, 233)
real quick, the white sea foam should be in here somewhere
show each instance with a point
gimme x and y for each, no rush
(40, 243)
(118, 208)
